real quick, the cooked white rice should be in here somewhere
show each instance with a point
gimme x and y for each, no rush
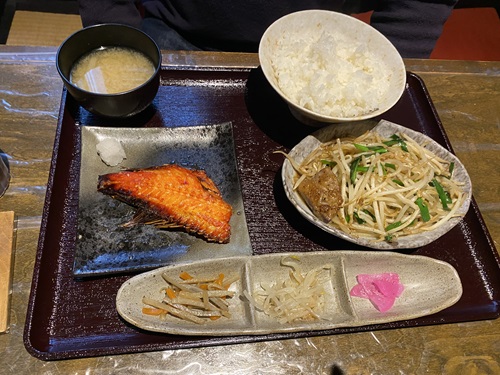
(330, 74)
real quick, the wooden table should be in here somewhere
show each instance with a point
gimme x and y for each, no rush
(466, 96)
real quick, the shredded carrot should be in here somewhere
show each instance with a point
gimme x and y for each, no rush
(192, 298)
(185, 276)
(171, 293)
(153, 311)
(220, 279)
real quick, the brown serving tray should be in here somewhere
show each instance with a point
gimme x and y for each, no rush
(70, 318)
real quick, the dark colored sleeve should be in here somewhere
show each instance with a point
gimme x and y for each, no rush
(93, 12)
(412, 26)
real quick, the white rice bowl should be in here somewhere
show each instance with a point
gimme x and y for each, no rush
(331, 67)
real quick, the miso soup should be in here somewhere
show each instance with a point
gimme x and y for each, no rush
(111, 70)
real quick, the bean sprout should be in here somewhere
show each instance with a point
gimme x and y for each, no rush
(391, 187)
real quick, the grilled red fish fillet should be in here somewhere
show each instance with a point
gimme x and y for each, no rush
(179, 196)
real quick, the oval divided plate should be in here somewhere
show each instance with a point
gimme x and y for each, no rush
(385, 129)
(429, 286)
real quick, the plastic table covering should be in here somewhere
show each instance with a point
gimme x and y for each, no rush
(466, 96)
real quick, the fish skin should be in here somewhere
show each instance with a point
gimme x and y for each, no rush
(184, 197)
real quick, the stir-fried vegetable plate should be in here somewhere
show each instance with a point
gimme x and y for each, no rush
(389, 188)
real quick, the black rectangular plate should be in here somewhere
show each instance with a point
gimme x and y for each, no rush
(104, 246)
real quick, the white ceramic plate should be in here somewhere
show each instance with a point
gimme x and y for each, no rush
(386, 129)
(430, 286)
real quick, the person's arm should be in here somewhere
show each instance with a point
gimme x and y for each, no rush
(412, 26)
(94, 12)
